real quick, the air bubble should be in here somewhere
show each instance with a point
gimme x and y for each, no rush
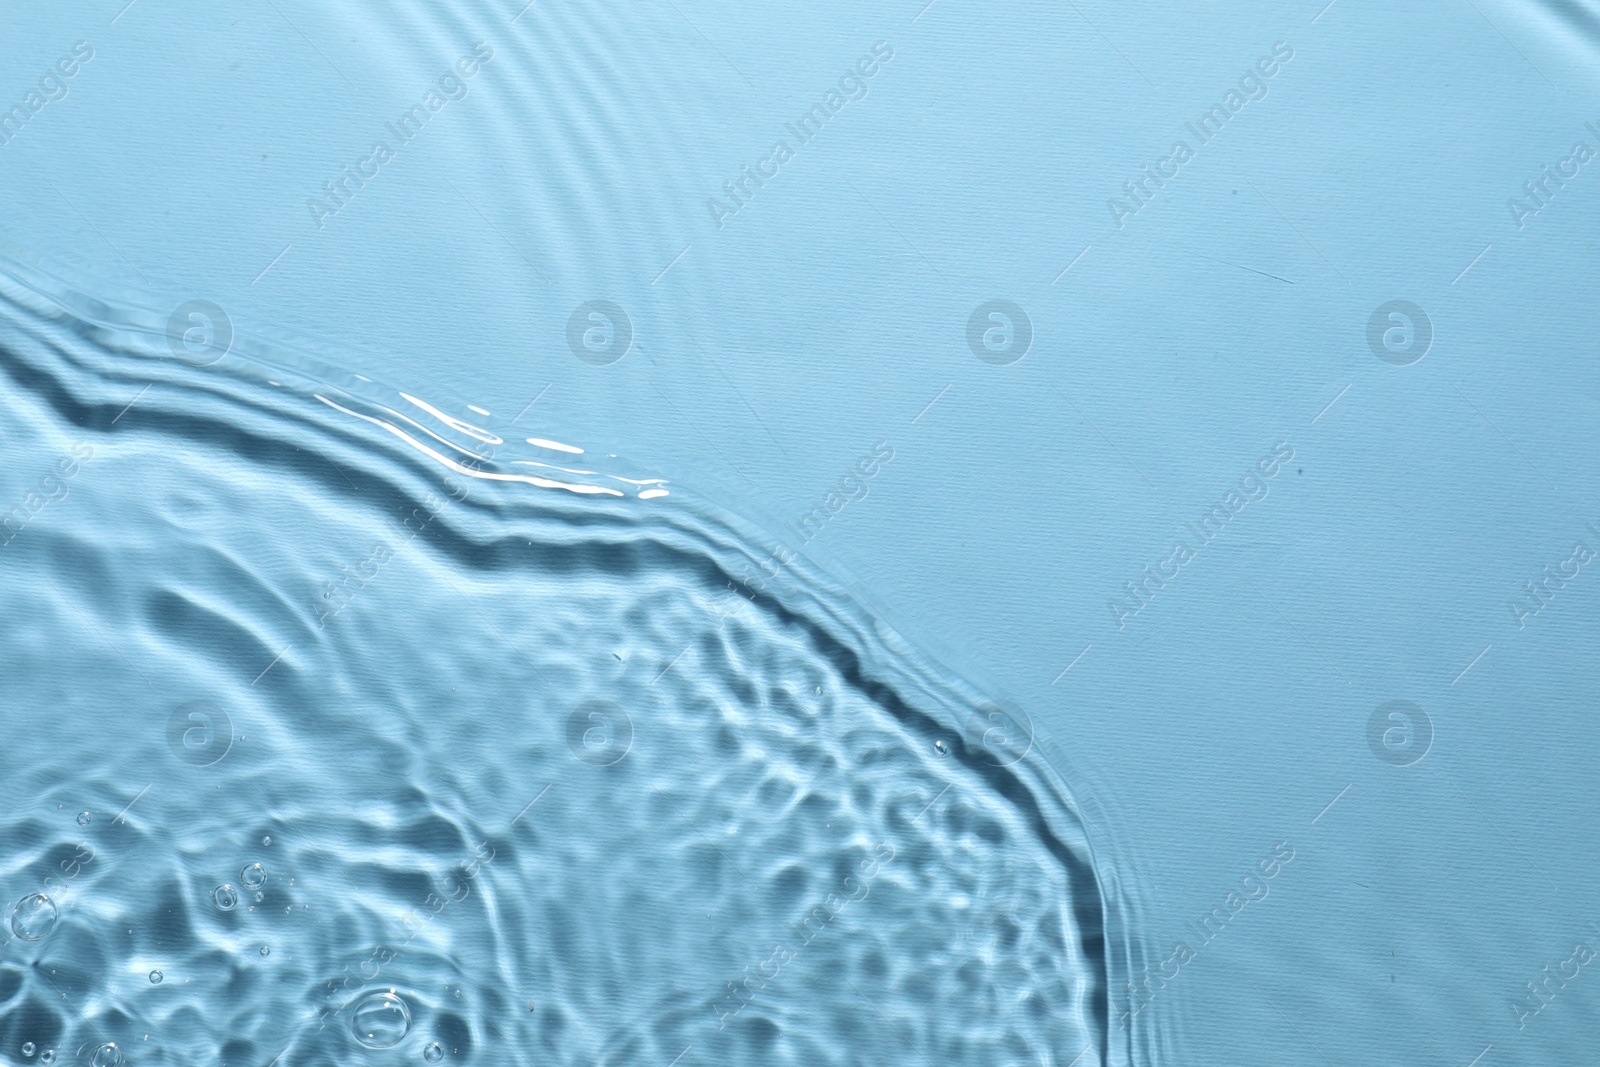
(27, 1048)
(155, 977)
(433, 1053)
(266, 841)
(381, 1020)
(941, 748)
(107, 1055)
(83, 818)
(254, 876)
(265, 951)
(47, 1057)
(225, 897)
(33, 917)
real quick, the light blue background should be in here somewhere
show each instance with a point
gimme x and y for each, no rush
(831, 311)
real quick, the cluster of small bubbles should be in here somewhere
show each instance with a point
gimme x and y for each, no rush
(254, 876)
(107, 1055)
(83, 818)
(225, 897)
(27, 1048)
(155, 977)
(433, 1053)
(381, 1020)
(33, 917)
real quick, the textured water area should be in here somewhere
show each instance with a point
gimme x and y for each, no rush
(345, 725)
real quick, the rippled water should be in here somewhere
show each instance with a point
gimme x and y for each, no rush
(351, 727)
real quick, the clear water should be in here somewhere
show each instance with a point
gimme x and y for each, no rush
(487, 579)
(392, 733)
